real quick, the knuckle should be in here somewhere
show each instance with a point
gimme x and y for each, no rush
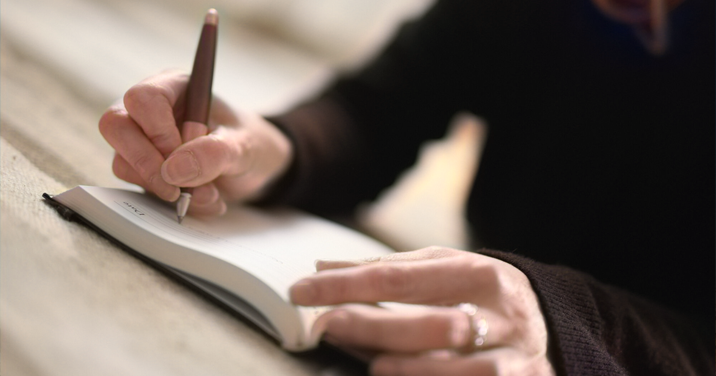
(486, 272)
(491, 273)
(109, 121)
(119, 167)
(438, 251)
(174, 72)
(160, 139)
(140, 95)
(485, 275)
(244, 151)
(217, 143)
(144, 165)
(435, 250)
(237, 151)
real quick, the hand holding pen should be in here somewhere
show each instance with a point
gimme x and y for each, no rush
(235, 161)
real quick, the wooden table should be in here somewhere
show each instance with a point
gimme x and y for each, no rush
(70, 302)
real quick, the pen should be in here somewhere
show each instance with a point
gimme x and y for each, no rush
(198, 95)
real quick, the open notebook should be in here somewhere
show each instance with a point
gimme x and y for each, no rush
(247, 258)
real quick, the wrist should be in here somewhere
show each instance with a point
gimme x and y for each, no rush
(277, 189)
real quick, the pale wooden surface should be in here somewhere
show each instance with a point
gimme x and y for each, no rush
(70, 302)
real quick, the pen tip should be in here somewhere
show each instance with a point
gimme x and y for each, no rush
(212, 17)
(179, 219)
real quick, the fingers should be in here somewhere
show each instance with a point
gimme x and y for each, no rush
(420, 254)
(412, 329)
(447, 280)
(409, 329)
(383, 329)
(503, 361)
(507, 334)
(437, 363)
(241, 155)
(206, 200)
(140, 160)
(151, 103)
(430, 341)
(143, 130)
(123, 170)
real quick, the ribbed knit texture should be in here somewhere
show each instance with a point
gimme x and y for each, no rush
(595, 329)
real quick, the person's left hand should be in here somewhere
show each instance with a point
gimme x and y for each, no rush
(435, 338)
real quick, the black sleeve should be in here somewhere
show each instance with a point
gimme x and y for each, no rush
(354, 140)
(596, 329)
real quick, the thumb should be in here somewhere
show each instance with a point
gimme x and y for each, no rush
(205, 158)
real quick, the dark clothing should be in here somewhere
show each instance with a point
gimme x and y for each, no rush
(597, 329)
(599, 157)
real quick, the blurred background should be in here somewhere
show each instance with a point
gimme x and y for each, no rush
(270, 51)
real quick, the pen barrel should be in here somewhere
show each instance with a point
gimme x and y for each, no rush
(198, 92)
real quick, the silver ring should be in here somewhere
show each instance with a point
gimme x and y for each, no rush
(478, 326)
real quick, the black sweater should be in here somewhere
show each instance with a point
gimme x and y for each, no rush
(600, 157)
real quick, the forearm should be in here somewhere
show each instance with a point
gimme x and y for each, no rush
(367, 127)
(327, 146)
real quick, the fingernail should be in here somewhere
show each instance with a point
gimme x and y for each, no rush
(319, 264)
(180, 168)
(303, 292)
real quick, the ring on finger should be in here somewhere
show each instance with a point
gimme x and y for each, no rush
(478, 327)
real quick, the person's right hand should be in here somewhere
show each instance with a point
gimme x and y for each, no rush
(233, 158)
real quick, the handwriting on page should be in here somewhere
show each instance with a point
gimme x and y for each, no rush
(130, 206)
(187, 235)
